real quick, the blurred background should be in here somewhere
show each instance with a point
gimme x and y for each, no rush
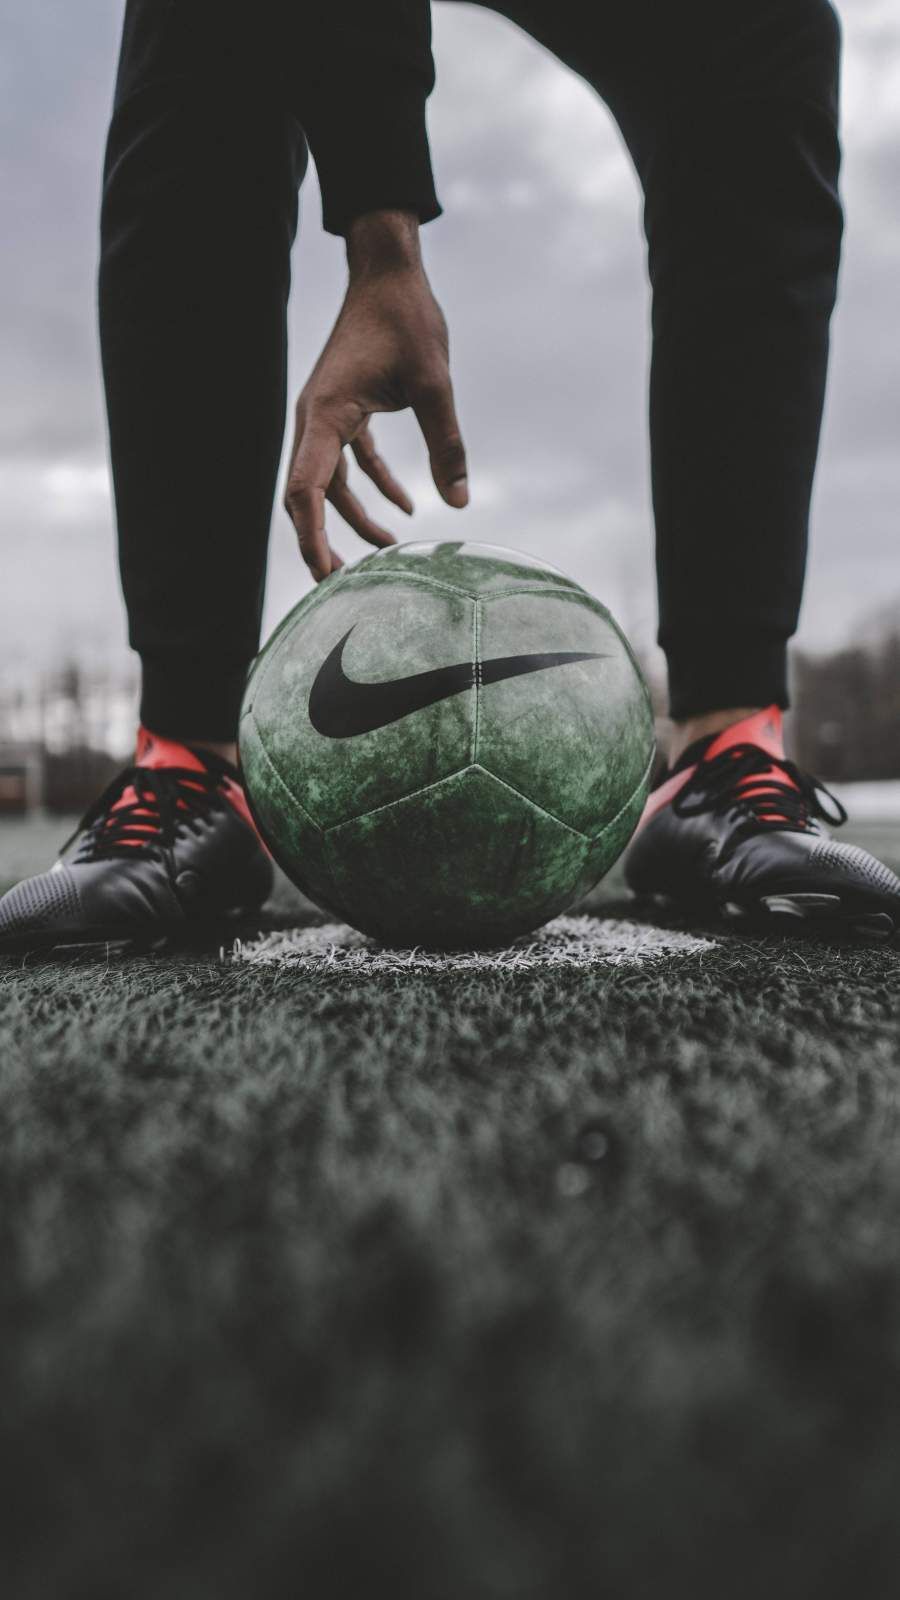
(539, 264)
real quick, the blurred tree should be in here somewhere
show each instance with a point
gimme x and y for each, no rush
(846, 722)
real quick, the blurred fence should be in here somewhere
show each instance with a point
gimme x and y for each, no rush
(63, 735)
(847, 722)
(844, 723)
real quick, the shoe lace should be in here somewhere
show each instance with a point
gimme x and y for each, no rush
(743, 783)
(144, 808)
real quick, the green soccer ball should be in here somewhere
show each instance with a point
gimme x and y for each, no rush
(447, 744)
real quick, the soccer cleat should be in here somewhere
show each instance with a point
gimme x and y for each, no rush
(168, 848)
(736, 828)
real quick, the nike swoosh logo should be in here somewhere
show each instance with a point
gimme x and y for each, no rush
(341, 708)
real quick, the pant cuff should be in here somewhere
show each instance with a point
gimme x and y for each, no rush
(710, 672)
(189, 700)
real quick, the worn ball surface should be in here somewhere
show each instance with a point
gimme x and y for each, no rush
(447, 744)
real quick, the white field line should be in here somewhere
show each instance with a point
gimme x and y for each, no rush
(580, 942)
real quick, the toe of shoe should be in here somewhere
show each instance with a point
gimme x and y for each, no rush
(40, 907)
(821, 881)
(854, 867)
(868, 889)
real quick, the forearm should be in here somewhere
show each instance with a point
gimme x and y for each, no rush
(369, 71)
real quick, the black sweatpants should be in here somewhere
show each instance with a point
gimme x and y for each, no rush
(729, 109)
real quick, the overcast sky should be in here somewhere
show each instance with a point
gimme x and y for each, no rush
(539, 264)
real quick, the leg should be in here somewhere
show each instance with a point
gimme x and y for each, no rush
(730, 111)
(199, 212)
(744, 227)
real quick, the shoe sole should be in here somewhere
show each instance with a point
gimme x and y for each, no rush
(817, 910)
(88, 940)
(787, 913)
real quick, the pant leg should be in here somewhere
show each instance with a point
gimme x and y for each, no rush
(730, 111)
(199, 212)
(744, 226)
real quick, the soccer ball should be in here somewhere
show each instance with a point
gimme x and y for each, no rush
(446, 744)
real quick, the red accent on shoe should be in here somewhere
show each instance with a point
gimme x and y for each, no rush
(153, 750)
(763, 728)
(665, 793)
(237, 799)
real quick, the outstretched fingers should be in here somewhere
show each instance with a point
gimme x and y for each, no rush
(371, 463)
(319, 472)
(355, 514)
(436, 415)
(316, 457)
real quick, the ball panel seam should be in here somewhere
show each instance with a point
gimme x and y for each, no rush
(535, 804)
(476, 662)
(296, 804)
(399, 800)
(273, 648)
(542, 589)
(451, 777)
(355, 576)
(596, 837)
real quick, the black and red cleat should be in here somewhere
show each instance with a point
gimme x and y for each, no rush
(168, 849)
(736, 829)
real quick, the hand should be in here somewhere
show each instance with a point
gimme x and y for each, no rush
(387, 350)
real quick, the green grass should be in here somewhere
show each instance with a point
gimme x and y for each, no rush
(331, 1288)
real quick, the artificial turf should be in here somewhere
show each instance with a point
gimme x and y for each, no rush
(452, 1285)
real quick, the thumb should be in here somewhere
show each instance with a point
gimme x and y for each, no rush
(436, 416)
